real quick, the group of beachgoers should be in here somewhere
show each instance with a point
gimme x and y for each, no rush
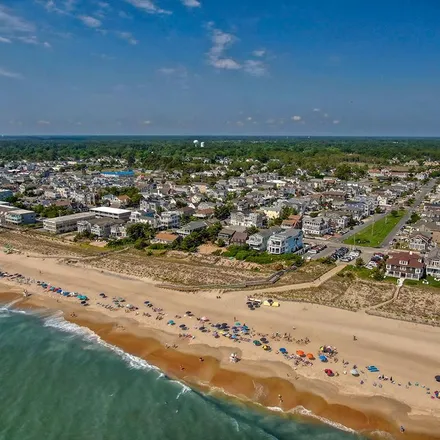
(235, 331)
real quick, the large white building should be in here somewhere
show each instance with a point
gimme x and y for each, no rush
(115, 213)
(67, 223)
(247, 219)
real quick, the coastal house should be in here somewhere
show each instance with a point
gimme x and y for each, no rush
(258, 241)
(191, 227)
(226, 235)
(169, 220)
(294, 221)
(405, 265)
(165, 238)
(317, 226)
(432, 262)
(20, 217)
(287, 241)
(239, 238)
(118, 231)
(247, 219)
(420, 241)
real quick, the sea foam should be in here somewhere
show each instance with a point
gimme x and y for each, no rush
(58, 322)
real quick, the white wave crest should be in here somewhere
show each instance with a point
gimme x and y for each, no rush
(305, 412)
(58, 322)
(183, 391)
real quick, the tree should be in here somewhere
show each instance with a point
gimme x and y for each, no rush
(360, 262)
(377, 274)
(287, 211)
(414, 218)
(213, 231)
(222, 212)
(139, 231)
(394, 213)
(252, 230)
(221, 242)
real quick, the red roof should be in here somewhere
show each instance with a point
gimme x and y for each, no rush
(413, 260)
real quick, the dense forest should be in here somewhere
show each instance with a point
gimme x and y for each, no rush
(183, 154)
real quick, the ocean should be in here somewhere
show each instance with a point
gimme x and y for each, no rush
(61, 382)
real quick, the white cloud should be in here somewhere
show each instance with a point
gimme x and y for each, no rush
(296, 118)
(326, 115)
(90, 21)
(10, 23)
(167, 70)
(148, 6)
(146, 122)
(29, 40)
(249, 118)
(5, 40)
(270, 121)
(259, 53)
(336, 122)
(9, 74)
(316, 109)
(240, 123)
(47, 45)
(191, 3)
(255, 68)
(43, 122)
(127, 36)
(221, 41)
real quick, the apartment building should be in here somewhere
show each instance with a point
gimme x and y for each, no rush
(67, 223)
(285, 242)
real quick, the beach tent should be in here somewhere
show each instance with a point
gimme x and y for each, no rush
(275, 304)
(266, 303)
(204, 318)
(354, 372)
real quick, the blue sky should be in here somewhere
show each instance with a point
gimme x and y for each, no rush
(220, 67)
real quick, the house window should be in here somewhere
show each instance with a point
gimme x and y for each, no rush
(403, 263)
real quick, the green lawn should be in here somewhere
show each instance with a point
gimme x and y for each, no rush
(373, 235)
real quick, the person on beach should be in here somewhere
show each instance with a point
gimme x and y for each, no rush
(402, 429)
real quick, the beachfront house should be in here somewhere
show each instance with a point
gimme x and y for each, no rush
(191, 227)
(258, 241)
(432, 262)
(285, 242)
(408, 265)
(169, 220)
(20, 217)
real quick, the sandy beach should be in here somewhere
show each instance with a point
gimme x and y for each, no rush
(406, 352)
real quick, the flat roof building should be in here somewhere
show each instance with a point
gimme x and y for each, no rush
(115, 213)
(20, 217)
(66, 223)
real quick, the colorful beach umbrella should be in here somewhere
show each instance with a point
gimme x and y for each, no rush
(310, 356)
(300, 353)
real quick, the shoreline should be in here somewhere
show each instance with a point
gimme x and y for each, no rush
(259, 377)
(259, 392)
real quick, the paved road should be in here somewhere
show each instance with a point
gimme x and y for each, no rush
(417, 201)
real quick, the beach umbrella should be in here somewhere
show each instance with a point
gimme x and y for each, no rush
(257, 343)
(300, 353)
(323, 358)
(204, 318)
(171, 322)
(437, 378)
(189, 312)
(237, 323)
(146, 302)
(266, 347)
(283, 350)
(354, 372)
(182, 325)
(310, 356)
